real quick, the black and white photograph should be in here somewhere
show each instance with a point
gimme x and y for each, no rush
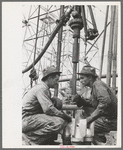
(61, 74)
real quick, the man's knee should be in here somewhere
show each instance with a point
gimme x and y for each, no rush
(101, 126)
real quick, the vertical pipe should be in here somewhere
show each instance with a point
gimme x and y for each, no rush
(103, 46)
(74, 60)
(84, 19)
(109, 65)
(36, 34)
(92, 17)
(31, 81)
(74, 79)
(59, 47)
(115, 53)
(76, 24)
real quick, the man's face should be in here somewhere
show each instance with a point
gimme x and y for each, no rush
(54, 81)
(85, 80)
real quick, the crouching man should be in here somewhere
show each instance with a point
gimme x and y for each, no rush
(102, 100)
(42, 118)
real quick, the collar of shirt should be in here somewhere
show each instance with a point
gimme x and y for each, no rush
(44, 84)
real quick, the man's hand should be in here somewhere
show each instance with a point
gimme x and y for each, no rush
(78, 100)
(81, 101)
(67, 117)
(57, 102)
(88, 121)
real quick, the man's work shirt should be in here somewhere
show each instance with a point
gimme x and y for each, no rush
(103, 100)
(38, 101)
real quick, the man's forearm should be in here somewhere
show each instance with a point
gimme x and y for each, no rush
(95, 115)
(54, 112)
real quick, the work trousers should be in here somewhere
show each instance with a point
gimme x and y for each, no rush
(102, 124)
(41, 128)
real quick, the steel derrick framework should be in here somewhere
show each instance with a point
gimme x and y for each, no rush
(38, 26)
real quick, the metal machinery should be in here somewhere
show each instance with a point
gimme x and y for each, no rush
(63, 36)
